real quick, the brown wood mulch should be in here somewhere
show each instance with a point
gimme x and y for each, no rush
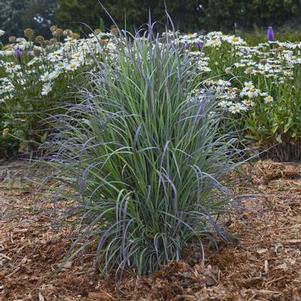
(265, 265)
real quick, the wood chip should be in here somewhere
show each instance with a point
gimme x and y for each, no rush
(262, 251)
(41, 298)
(293, 241)
(282, 267)
(67, 265)
(100, 296)
(266, 266)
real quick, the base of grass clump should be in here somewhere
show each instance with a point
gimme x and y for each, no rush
(289, 151)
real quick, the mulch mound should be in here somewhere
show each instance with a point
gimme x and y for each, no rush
(264, 265)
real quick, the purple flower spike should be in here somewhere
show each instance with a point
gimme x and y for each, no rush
(200, 45)
(18, 54)
(270, 34)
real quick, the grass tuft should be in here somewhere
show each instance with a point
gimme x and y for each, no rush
(145, 155)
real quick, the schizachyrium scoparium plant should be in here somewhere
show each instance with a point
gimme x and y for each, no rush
(145, 155)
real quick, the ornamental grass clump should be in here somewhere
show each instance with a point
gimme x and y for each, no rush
(145, 155)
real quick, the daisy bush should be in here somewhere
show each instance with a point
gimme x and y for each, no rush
(256, 86)
(145, 154)
(38, 76)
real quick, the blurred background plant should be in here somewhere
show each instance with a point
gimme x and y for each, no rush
(17, 15)
(192, 15)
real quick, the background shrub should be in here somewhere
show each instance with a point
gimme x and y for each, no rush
(16, 15)
(191, 15)
(248, 14)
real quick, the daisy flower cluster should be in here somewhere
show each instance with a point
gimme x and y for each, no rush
(7, 89)
(243, 79)
(49, 64)
(37, 75)
(243, 76)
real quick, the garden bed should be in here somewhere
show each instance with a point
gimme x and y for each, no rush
(264, 265)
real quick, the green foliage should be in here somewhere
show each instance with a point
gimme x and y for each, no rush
(189, 15)
(272, 70)
(145, 155)
(230, 14)
(254, 38)
(25, 114)
(16, 15)
(278, 124)
(192, 15)
(130, 14)
(35, 86)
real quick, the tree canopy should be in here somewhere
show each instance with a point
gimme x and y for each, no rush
(16, 15)
(188, 15)
(127, 13)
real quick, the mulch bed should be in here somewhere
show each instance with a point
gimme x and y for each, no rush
(264, 265)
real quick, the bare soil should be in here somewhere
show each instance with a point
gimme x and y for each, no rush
(264, 265)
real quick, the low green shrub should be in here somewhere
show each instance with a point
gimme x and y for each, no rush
(191, 15)
(37, 77)
(145, 154)
(260, 87)
(25, 105)
(254, 38)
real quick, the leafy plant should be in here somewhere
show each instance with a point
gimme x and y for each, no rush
(37, 78)
(145, 154)
(16, 15)
(189, 15)
(261, 88)
(26, 111)
(278, 125)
